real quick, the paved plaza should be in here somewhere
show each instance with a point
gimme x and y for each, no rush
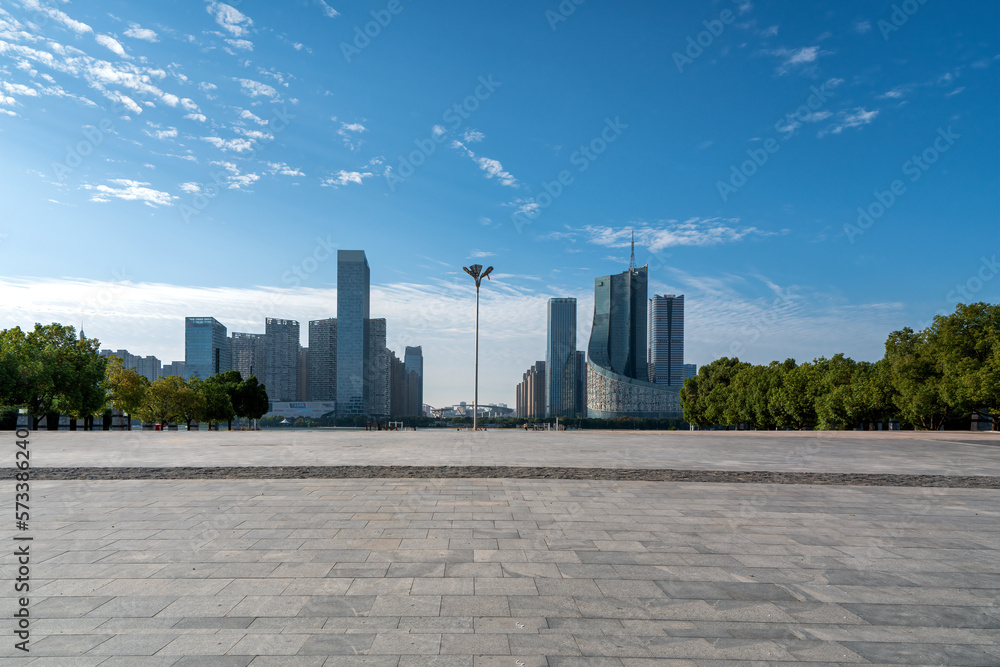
(518, 572)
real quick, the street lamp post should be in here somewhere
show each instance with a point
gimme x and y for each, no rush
(474, 271)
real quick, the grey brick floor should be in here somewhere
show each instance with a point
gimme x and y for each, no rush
(508, 572)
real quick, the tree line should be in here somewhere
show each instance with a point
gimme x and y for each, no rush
(49, 372)
(926, 379)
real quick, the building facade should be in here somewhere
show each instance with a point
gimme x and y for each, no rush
(282, 345)
(378, 369)
(206, 347)
(617, 377)
(149, 367)
(249, 355)
(174, 368)
(323, 360)
(666, 339)
(560, 359)
(690, 370)
(581, 383)
(531, 393)
(413, 358)
(353, 312)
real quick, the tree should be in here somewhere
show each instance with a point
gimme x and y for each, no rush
(966, 345)
(835, 407)
(228, 382)
(52, 370)
(798, 394)
(215, 403)
(166, 401)
(251, 399)
(917, 380)
(126, 388)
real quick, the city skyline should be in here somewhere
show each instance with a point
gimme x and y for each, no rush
(785, 170)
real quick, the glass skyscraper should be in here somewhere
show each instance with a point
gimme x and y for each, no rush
(206, 347)
(560, 359)
(413, 359)
(666, 339)
(353, 309)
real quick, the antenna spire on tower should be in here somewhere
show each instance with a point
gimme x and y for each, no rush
(631, 263)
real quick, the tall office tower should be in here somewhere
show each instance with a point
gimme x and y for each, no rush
(282, 343)
(581, 383)
(618, 337)
(323, 360)
(560, 359)
(690, 370)
(353, 384)
(617, 378)
(414, 360)
(249, 351)
(302, 390)
(378, 369)
(666, 339)
(174, 368)
(397, 386)
(149, 367)
(206, 347)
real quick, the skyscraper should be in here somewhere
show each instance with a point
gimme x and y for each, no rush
(282, 343)
(206, 347)
(666, 339)
(560, 359)
(323, 360)
(531, 392)
(617, 380)
(378, 370)
(581, 383)
(249, 353)
(353, 311)
(414, 360)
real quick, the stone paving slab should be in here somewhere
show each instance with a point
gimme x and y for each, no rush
(898, 452)
(506, 571)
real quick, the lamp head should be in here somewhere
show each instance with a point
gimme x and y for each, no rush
(473, 270)
(486, 273)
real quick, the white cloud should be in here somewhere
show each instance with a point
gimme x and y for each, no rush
(859, 117)
(235, 179)
(168, 133)
(235, 145)
(257, 89)
(55, 14)
(669, 233)
(283, 169)
(792, 58)
(124, 100)
(344, 177)
(349, 132)
(130, 191)
(492, 167)
(473, 136)
(135, 31)
(190, 188)
(111, 44)
(230, 18)
(243, 44)
(328, 10)
(249, 115)
(207, 87)
(862, 27)
(481, 254)
(200, 117)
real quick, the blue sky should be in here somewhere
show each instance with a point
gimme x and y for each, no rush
(201, 158)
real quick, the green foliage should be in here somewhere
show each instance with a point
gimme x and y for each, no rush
(250, 399)
(926, 379)
(125, 387)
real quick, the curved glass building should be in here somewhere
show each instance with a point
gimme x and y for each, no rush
(617, 377)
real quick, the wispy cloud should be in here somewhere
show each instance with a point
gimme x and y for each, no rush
(230, 19)
(111, 44)
(491, 167)
(350, 133)
(343, 178)
(481, 254)
(136, 31)
(236, 179)
(129, 190)
(57, 15)
(257, 89)
(792, 59)
(669, 233)
(858, 117)
(328, 10)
